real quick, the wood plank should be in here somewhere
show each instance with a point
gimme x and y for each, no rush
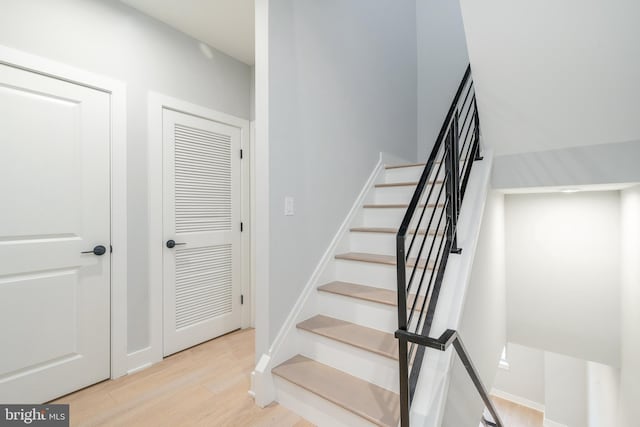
(406, 165)
(391, 230)
(382, 259)
(513, 414)
(373, 403)
(369, 339)
(400, 206)
(405, 184)
(367, 293)
(205, 385)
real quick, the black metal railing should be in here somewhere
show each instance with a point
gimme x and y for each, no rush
(448, 338)
(428, 233)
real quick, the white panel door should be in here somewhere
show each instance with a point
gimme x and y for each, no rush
(54, 189)
(201, 221)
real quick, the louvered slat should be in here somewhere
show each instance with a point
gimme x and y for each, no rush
(203, 284)
(202, 180)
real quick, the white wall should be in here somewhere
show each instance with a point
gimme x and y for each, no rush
(483, 325)
(109, 38)
(563, 273)
(554, 74)
(342, 79)
(603, 385)
(565, 390)
(442, 61)
(525, 376)
(630, 353)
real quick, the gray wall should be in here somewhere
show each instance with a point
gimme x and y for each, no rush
(109, 38)
(442, 61)
(630, 330)
(525, 376)
(603, 395)
(565, 390)
(483, 326)
(342, 89)
(554, 74)
(563, 260)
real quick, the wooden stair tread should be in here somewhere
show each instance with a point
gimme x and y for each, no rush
(405, 184)
(413, 165)
(381, 259)
(399, 206)
(371, 402)
(391, 230)
(369, 339)
(406, 165)
(367, 293)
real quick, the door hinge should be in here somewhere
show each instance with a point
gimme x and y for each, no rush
(241, 227)
(241, 153)
(241, 299)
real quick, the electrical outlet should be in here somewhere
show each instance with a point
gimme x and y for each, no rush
(288, 205)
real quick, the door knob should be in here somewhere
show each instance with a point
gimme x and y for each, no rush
(98, 250)
(172, 243)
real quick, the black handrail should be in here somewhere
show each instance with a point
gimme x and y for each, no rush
(456, 147)
(442, 343)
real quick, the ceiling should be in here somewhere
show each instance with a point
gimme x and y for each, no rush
(554, 74)
(227, 25)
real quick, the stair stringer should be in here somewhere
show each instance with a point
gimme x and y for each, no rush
(289, 341)
(429, 401)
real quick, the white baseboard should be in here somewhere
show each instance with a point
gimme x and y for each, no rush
(141, 359)
(263, 386)
(517, 399)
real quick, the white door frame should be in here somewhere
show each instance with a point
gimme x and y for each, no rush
(118, 184)
(158, 102)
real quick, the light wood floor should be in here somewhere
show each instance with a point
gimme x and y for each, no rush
(206, 386)
(514, 415)
(203, 386)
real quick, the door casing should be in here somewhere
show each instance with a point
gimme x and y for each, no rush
(118, 160)
(157, 102)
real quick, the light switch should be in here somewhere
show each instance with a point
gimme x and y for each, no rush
(288, 205)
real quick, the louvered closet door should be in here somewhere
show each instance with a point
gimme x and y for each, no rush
(202, 216)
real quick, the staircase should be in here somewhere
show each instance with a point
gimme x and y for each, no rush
(352, 350)
(356, 313)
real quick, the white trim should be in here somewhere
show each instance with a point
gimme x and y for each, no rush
(261, 376)
(117, 92)
(156, 103)
(261, 176)
(550, 423)
(252, 224)
(139, 360)
(518, 400)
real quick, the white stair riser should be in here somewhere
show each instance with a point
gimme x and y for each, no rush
(411, 174)
(403, 174)
(392, 217)
(365, 273)
(314, 408)
(385, 243)
(388, 195)
(374, 368)
(365, 313)
(369, 273)
(403, 194)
